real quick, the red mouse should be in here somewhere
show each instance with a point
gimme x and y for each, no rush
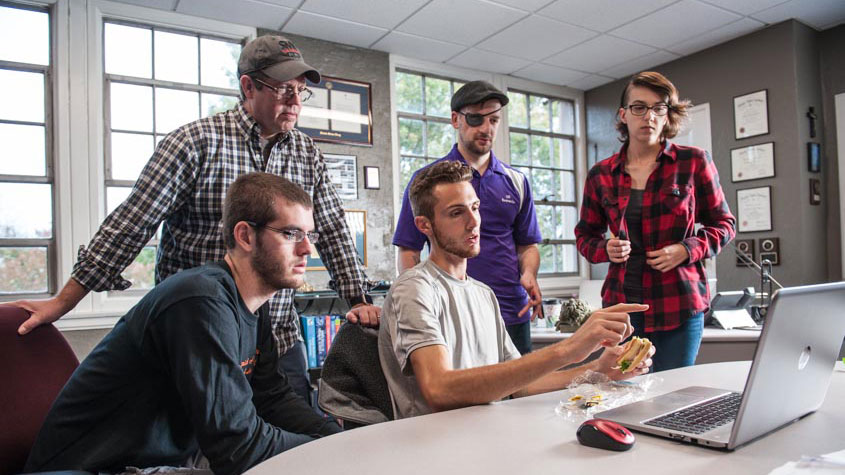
(605, 435)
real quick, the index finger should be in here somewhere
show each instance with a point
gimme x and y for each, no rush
(625, 308)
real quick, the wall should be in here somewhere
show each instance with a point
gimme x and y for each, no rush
(783, 59)
(358, 64)
(832, 69)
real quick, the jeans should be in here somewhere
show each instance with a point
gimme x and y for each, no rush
(675, 348)
(521, 336)
(294, 363)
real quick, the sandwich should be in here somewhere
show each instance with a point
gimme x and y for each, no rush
(633, 353)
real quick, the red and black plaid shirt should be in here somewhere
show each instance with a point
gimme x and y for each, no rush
(682, 191)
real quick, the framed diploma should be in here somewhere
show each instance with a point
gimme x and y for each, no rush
(754, 209)
(339, 111)
(752, 162)
(751, 115)
(356, 220)
(343, 173)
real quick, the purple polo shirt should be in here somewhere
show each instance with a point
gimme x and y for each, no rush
(503, 227)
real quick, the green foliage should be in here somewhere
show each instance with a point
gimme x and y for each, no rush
(23, 270)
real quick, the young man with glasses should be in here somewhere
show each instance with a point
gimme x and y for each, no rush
(182, 189)
(509, 257)
(190, 376)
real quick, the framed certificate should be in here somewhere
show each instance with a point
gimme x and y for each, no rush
(752, 162)
(356, 220)
(343, 173)
(339, 111)
(751, 114)
(754, 209)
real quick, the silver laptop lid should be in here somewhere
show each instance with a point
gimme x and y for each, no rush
(794, 360)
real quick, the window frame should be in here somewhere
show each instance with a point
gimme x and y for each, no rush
(49, 176)
(76, 90)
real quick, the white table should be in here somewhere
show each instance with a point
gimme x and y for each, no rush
(525, 436)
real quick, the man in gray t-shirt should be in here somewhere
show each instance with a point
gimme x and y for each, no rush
(442, 341)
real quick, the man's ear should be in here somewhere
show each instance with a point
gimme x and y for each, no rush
(423, 224)
(247, 86)
(455, 119)
(245, 236)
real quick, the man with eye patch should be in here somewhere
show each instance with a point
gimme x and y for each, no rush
(509, 257)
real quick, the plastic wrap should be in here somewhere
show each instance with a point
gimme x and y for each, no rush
(594, 392)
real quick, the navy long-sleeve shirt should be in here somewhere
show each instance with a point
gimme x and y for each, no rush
(189, 367)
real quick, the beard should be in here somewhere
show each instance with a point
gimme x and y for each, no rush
(478, 149)
(454, 246)
(271, 269)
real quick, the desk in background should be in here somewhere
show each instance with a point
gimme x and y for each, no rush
(526, 436)
(717, 345)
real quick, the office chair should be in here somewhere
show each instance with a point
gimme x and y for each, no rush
(352, 384)
(33, 369)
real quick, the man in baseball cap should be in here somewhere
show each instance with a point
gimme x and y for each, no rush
(509, 257)
(277, 58)
(184, 185)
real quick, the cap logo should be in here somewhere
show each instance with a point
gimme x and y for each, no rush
(288, 49)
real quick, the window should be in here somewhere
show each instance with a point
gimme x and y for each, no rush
(542, 146)
(157, 80)
(27, 225)
(425, 120)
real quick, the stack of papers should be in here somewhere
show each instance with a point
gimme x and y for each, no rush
(832, 463)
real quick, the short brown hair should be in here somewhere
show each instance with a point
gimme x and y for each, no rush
(663, 88)
(422, 188)
(252, 198)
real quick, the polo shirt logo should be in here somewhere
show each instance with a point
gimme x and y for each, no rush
(508, 199)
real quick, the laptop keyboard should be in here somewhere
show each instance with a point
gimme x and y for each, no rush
(702, 417)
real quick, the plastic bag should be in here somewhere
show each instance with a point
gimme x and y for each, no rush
(594, 392)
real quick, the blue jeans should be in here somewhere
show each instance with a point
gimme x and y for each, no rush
(675, 348)
(521, 336)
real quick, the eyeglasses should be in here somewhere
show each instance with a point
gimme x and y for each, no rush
(659, 109)
(293, 235)
(286, 93)
(473, 119)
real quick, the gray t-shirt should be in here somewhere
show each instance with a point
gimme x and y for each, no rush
(426, 306)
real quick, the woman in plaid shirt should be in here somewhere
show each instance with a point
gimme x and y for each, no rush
(650, 195)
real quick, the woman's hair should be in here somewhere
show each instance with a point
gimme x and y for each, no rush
(664, 88)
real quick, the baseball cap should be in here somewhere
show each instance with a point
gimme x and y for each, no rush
(476, 92)
(276, 57)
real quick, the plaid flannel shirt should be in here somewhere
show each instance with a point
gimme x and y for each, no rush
(184, 184)
(682, 191)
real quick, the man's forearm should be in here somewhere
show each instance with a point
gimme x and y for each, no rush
(529, 259)
(466, 387)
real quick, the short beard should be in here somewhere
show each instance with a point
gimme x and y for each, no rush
(270, 271)
(451, 245)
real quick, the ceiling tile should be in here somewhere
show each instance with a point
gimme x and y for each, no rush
(332, 29)
(676, 23)
(590, 82)
(527, 5)
(535, 38)
(485, 61)
(718, 36)
(383, 13)
(640, 64)
(601, 15)
(449, 20)
(414, 46)
(243, 12)
(745, 7)
(820, 14)
(598, 54)
(160, 4)
(284, 3)
(549, 74)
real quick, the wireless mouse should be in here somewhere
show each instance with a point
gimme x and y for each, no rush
(604, 434)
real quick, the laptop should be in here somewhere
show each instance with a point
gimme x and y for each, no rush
(788, 379)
